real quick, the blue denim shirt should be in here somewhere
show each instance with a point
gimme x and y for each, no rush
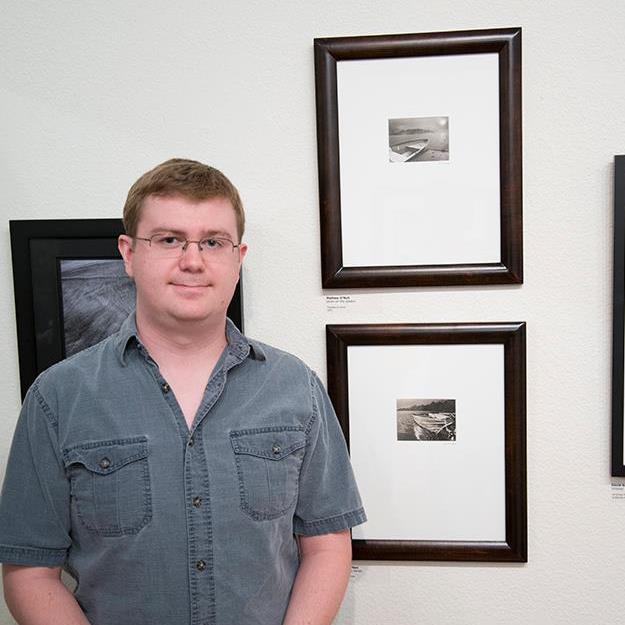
(159, 523)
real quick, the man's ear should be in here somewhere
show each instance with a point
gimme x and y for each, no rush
(125, 247)
(242, 251)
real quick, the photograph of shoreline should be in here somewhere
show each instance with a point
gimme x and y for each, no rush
(426, 419)
(418, 139)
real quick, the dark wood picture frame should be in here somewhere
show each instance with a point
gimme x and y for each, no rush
(506, 43)
(37, 247)
(512, 337)
(618, 338)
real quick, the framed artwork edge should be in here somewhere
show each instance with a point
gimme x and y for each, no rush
(618, 321)
(512, 335)
(21, 232)
(327, 52)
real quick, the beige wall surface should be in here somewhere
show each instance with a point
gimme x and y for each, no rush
(94, 93)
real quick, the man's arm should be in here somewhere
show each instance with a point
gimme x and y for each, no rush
(35, 595)
(325, 565)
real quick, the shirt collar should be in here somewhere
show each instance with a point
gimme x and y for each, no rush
(126, 334)
(238, 344)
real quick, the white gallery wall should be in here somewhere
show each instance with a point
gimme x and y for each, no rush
(92, 94)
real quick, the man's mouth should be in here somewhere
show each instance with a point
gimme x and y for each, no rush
(189, 286)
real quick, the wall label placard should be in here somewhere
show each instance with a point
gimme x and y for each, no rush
(617, 489)
(339, 302)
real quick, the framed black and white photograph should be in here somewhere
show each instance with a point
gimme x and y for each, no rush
(420, 160)
(618, 334)
(434, 418)
(426, 419)
(418, 139)
(71, 289)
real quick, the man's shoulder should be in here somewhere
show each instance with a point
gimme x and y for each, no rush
(276, 356)
(80, 366)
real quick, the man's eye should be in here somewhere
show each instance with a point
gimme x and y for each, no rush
(211, 244)
(168, 240)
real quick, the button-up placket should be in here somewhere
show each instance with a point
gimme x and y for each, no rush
(199, 518)
(197, 482)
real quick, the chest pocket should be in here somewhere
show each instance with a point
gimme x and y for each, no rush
(110, 485)
(268, 463)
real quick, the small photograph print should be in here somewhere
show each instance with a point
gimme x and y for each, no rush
(426, 419)
(97, 296)
(418, 139)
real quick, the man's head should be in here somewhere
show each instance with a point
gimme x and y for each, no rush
(179, 176)
(184, 222)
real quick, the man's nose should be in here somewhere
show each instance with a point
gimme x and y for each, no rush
(191, 257)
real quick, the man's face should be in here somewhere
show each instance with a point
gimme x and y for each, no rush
(190, 287)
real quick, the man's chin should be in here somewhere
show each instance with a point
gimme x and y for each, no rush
(199, 316)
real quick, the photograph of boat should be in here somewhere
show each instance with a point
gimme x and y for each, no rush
(406, 150)
(432, 426)
(426, 419)
(416, 139)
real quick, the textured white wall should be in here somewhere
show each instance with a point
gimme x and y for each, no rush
(95, 93)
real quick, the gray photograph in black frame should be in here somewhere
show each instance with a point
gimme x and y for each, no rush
(513, 548)
(506, 43)
(618, 338)
(70, 289)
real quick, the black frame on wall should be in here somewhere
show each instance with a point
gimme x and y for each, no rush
(37, 247)
(512, 336)
(506, 43)
(618, 417)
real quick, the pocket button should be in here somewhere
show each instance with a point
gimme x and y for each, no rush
(276, 449)
(105, 463)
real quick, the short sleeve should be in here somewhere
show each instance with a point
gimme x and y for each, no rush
(34, 504)
(328, 498)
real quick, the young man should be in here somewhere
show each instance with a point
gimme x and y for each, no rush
(182, 473)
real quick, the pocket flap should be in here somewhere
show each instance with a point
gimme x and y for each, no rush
(270, 443)
(104, 457)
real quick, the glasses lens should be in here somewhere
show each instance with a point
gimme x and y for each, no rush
(217, 249)
(213, 249)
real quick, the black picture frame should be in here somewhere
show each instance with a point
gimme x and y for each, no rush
(512, 336)
(37, 248)
(618, 320)
(506, 43)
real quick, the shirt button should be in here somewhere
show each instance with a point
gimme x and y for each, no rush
(276, 449)
(200, 565)
(191, 442)
(197, 502)
(165, 387)
(105, 463)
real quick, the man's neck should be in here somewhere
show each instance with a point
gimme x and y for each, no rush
(182, 341)
(186, 354)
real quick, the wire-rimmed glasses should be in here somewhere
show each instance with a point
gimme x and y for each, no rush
(166, 245)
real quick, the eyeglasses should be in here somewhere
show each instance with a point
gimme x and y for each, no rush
(217, 249)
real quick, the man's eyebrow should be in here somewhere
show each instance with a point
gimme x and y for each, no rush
(217, 233)
(165, 230)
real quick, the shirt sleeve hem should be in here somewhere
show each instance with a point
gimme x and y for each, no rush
(32, 556)
(332, 524)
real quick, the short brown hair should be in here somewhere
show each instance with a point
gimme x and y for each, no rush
(180, 176)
